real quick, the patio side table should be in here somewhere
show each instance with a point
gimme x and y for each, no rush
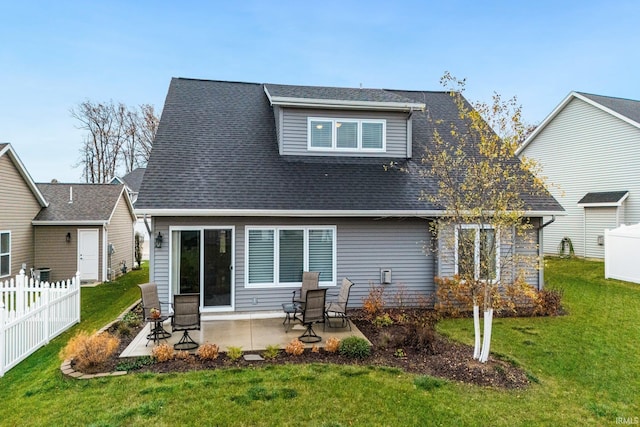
(291, 310)
(157, 330)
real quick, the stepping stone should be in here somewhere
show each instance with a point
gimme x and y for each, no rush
(252, 357)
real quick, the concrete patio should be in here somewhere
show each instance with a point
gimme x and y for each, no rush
(251, 334)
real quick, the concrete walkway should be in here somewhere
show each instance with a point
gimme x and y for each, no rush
(249, 334)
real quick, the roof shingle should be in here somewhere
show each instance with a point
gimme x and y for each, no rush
(216, 149)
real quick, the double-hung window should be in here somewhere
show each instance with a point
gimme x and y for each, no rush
(278, 255)
(477, 252)
(346, 134)
(5, 253)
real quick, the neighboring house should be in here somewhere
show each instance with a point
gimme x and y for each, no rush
(251, 184)
(20, 202)
(132, 182)
(588, 152)
(86, 228)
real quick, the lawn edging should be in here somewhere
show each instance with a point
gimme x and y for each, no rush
(67, 369)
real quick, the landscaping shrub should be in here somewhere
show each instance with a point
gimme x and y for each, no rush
(163, 353)
(90, 351)
(354, 347)
(550, 302)
(208, 351)
(383, 320)
(332, 345)
(271, 352)
(123, 329)
(315, 349)
(295, 347)
(131, 319)
(385, 339)
(183, 355)
(373, 303)
(234, 353)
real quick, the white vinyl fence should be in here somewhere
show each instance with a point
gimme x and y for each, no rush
(32, 313)
(621, 249)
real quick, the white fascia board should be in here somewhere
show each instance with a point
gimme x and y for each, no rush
(307, 214)
(101, 223)
(25, 174)
(342, 104)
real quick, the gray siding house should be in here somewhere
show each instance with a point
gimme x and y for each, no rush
(587, 149)
(248, 185)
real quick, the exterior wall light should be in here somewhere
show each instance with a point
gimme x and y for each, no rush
(159, 240)
(68, 238)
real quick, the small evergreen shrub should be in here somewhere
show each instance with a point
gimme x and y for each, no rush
(332, 345)
(383, 320)
(208, 351)
(131, 319)
(295, 347)
(163, 353)
(271, 352)
(354, 347)
(234, 353)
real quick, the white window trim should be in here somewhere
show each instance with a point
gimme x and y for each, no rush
(7, 253)
(476, 250)
(334, 134)
(276, 258)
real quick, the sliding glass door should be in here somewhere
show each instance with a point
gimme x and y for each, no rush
(202, 262)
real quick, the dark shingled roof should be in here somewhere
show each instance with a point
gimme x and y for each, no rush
(335, 93)
(133, 179)
(216, 148)
(603, 197)
(626, 107)
(91, 202)
(2, 145)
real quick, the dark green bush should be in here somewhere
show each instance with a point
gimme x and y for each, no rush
(354, 347)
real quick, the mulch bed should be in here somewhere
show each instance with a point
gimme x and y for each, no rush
(444, 359)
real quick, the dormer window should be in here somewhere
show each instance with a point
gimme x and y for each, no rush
(346, 134)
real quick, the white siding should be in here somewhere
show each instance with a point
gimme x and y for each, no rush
(584, 149)
(292, 137)
(596, 221)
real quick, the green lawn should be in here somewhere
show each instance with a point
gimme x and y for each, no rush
(586, 366)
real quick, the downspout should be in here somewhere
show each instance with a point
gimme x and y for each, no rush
(541, 251)
(146, 224)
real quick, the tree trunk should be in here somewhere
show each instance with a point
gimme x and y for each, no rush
(486, 343)
(476, 326)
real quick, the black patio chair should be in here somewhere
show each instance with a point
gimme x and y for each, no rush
(186, 317)
(313, 312)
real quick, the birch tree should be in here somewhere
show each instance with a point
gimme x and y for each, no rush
(482, 187)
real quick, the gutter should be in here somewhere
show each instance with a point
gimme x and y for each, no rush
(551, 221)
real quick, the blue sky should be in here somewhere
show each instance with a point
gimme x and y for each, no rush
(54, 55)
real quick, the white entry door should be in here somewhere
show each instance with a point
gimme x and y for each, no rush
(88, 254)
